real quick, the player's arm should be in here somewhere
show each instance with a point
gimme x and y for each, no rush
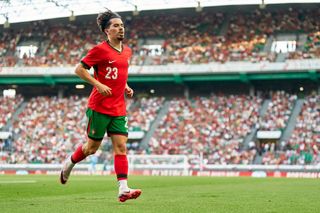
(85, 75)
(129, 91)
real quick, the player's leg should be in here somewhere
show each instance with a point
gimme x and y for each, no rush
(121, 168)
(120, 159)
(81, 153)
(96, 129)
(118, 131)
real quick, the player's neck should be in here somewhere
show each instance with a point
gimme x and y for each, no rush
(116, 44)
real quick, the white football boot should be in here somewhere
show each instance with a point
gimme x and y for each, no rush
(66, 170)
(128, 194)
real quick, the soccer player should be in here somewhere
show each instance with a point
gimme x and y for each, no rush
(106, 106)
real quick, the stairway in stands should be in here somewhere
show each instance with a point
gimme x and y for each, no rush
(15, 115)
(292, 120)
(163, 111)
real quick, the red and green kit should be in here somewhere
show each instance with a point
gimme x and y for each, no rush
(107, 113)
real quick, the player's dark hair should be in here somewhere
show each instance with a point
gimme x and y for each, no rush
(103, 19)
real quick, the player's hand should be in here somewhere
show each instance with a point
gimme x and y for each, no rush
(129, 91)
(103, 89)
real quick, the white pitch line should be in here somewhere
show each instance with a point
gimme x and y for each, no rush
(16, 181)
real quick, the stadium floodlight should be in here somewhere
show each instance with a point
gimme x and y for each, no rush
(136, 11)
(6, 23)
(198, 8)
(72, 17)
(262, 5)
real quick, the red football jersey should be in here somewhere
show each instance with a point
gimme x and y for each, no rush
(110, 68)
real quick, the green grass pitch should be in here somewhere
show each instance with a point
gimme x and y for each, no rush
(160, 194)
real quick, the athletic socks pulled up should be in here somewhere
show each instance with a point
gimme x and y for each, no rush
(78, 155)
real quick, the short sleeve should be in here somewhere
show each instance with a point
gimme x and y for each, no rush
(92, 58)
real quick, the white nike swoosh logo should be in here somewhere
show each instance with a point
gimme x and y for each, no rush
(110, 62)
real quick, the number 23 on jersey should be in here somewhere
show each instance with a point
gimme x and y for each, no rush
(112, 73)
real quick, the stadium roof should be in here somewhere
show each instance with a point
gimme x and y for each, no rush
(27, 10)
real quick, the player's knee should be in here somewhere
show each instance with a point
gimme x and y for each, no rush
(121, 149)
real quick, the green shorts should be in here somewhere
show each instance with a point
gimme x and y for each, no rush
(99, 124)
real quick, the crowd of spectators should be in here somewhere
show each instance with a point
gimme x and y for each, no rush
(313, 44)
(47, 129)
(185, 38)
(304, 144)
(144, 112)
(305, 139)
(311, 48)
(274, 158)
(215, 126)
(8, 44)
(278, 112)
(7, 108)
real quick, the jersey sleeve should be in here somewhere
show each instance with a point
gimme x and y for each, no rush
(92, 58)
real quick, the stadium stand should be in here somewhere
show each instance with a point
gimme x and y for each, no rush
(191, 38)
(303, 146)
(278, 112)
(47, 128)
(144, 113)
(8, 107)
(311, 48)
(215, 126)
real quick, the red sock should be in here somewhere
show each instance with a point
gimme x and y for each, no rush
(121, 166)
(78, 155)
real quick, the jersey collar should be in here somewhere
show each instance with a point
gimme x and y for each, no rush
(115, 48)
